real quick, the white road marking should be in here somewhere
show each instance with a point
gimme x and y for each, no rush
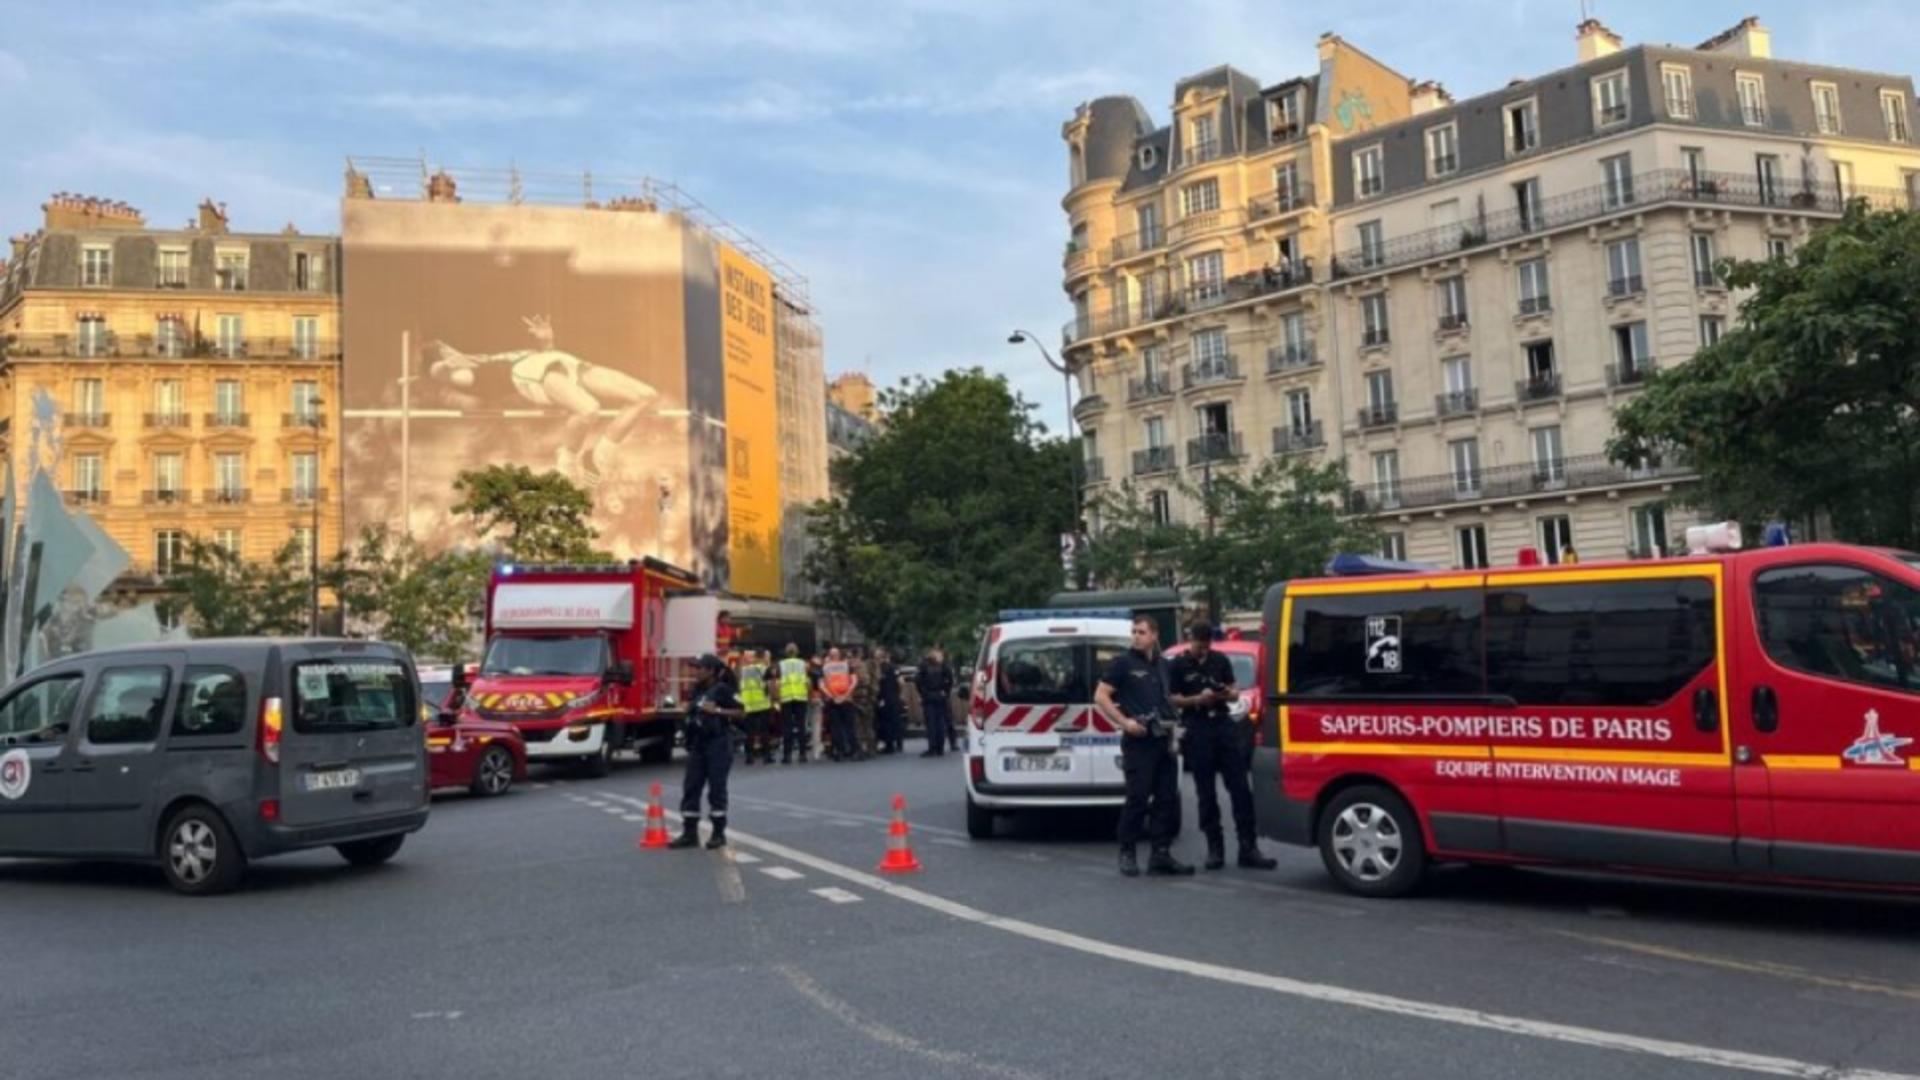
(781, 873)
(727, 876)
(888, 1037)
(837, 895)
(843, 823)
(633, 817)
(744, 858)
(797, 816)
(1323, 992)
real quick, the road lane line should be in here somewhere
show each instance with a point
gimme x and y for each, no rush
(1326, 993)
(844, 1012)
(744, 858)
(1750, 967)
(835, 894)
(781, 873)
(727, 876)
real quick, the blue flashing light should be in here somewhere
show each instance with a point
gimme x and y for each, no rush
(1777, 534)
(506, 569)
(1029, 614)
(1349, 564)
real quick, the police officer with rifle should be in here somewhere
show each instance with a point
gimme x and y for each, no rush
(1133, 694)
(709, 741)
(1216, 746)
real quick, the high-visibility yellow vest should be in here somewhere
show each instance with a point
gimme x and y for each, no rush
(793, 680)
(753, 689)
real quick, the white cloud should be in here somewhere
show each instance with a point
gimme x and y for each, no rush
(168, 173)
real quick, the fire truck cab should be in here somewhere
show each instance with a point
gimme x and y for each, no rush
(1734, 714)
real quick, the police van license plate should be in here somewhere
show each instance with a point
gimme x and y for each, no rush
(333, 780)
(1036, 763)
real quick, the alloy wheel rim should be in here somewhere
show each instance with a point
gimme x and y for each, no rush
(1368, 842)
(192, 851)
(495, 772)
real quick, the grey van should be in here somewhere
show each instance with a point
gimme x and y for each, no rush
(204, 755)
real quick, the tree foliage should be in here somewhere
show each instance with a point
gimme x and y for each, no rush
(536, 517)
(396, 591)
(219, 594)
(1278, 520)
(952, 511)
(1810, 407)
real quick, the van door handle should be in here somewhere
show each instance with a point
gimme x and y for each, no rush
(83, 765)
(1706, 710)
(1766, 709)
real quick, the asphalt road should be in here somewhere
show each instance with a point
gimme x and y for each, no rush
(527, 937)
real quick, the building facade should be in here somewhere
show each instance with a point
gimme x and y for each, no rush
(1505, 271)
(176, 382)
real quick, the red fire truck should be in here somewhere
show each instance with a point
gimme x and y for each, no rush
(586, 661)
(1735, 714)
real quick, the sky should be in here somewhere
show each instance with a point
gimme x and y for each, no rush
(904, 155)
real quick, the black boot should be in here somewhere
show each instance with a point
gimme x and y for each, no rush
(689, 834)
(1129, 861)
(1252, 859)
(1216, 852)
(1162, 864)
(718, 839)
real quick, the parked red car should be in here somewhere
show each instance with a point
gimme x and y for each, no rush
(484, 756)
(1244, 654)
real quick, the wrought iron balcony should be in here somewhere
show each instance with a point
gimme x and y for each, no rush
(88, 420)
(1214, 447)
(1294, 439)
(1453, 322)
(312, 421)
(228, 420)
(88, 497)
(166, 497)
(1170, 301)
(1202, 222)
(1148, 387)
(1536, 305)
(1631, 285)
(1636, 373)
(1154, 459)
(1284, 201)
(1082, 259)
(1542, 387)
(168, 420)
(1202, 152)
(1138, 243)
(1374, 338)
(226, 496)
(1508, 481)
(1297, 357)
(1707, 279)
(1093, 471)
(1385, 414)
(303, 496)
(1204, 373)
(1655, 187)
(1445, 164)
(1457, 402)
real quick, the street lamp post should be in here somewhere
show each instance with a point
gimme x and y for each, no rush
(1073, 465)
(313, 544)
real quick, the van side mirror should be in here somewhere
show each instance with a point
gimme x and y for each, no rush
(621, 673)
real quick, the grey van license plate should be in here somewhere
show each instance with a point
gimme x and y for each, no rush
(337, 778)
(1037, 764)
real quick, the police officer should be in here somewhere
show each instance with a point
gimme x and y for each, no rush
(1133, 694)
(863, 705)
(1217, 745)
(709, 752)
(887, 721)
(934, 682)
(758, 703)
(793, 689)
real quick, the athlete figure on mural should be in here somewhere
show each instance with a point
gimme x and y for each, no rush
(552, 378)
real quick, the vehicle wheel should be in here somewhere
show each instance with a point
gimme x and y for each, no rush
(600, 765)
(658, 752)
(199, 854)
(494, 775)
(371, 852)
(1371, 843)
(979, 820)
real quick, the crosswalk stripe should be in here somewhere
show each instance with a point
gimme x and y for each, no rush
(782, 873)
(838, 896)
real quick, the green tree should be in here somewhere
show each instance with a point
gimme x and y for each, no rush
(537, 517)
(1280, 519)
(1810, 407)
(952, 511)
(219, 594)
(396, 591)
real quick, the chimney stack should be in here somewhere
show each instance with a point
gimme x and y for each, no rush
(1428, 96)
(1744, 38)
(213, 218)
(441, 188)
(1596, 40)
(69, 211)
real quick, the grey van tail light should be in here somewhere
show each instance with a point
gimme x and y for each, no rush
(272, 719)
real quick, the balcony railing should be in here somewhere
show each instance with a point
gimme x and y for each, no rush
(1385, 414)
(1296, 357)
(1088, 405)
(1659, 186)
(1631, 285)
(1137, 243)
(226, 496)
(1507, 481)
(1374, 338)
(1631, 374)
(227, 420)
(1536, 305)
(1201, 153)
(1214, 447)
(1210, 372)
(1453, 322)
(1171, 302)
(1154, 459)
(1294, 439)
(115, 345)
(1707, 279)
(1540, 387)
(1093, 471)
(166, 497)
(1201, 222)
(303, 496)
(1080, 260)
(312, 421)
(1613, 114)
(1148, 387)
(87, 420)
(168, 420)
(88, 497)
(1457, 402)
(1284, 201)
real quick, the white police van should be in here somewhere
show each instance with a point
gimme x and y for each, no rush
(1038, 741)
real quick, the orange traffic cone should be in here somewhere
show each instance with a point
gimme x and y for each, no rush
(899, 859)
(656, 834)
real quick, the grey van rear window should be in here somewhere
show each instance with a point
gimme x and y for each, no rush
(351, 695)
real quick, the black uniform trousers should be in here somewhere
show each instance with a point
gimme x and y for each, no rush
(887, 724)
(840, 731)
(939, 717)
(1153, 790)
(1219, 746)
(709, 760)
(794, 736)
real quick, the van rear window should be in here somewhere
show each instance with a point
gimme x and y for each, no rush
(1051, 671)
(351, 695)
